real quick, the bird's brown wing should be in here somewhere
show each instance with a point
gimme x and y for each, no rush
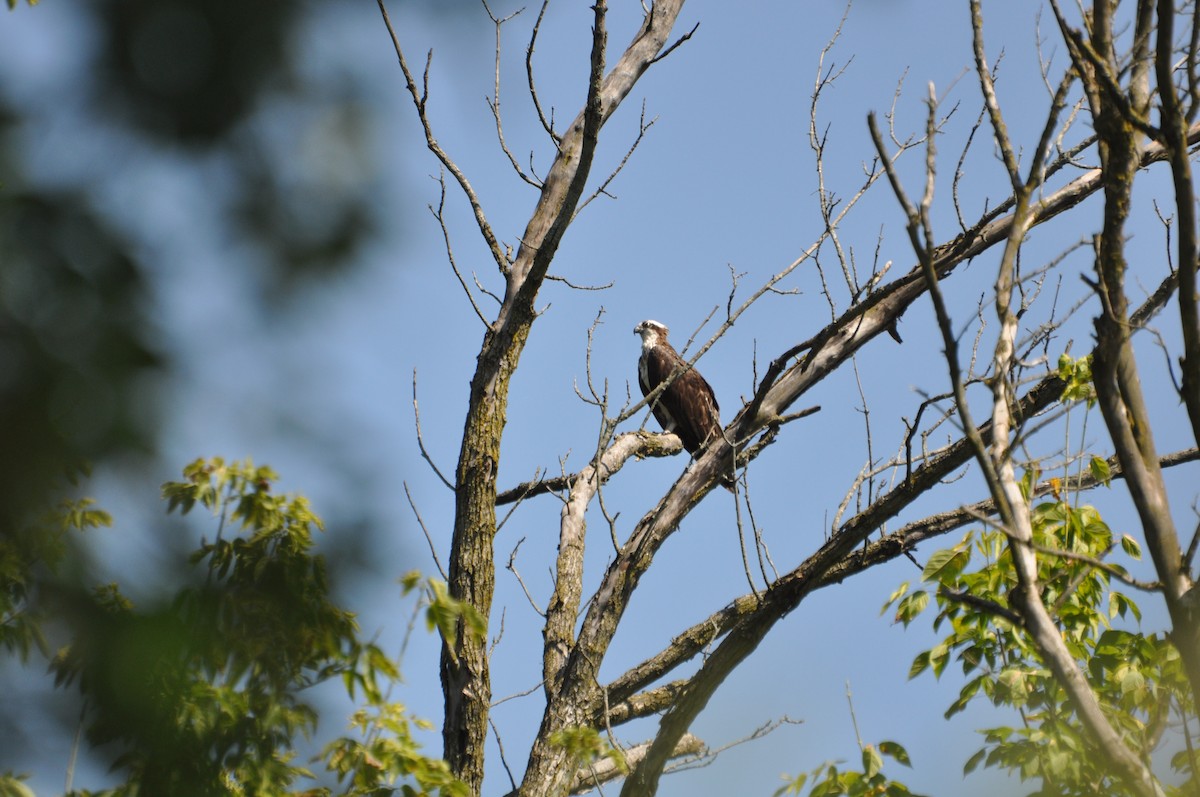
(692, 403)
(660, 362)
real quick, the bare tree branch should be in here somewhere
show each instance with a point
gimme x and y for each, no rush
(440, 214)
(494, 101)
(547, 125)
(420, 100)
(421, 440)
(425, 530)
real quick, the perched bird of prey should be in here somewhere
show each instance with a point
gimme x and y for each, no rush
(688, 406)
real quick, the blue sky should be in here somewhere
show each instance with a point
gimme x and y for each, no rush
(723, 182)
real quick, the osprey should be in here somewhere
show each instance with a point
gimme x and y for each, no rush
(688, 406)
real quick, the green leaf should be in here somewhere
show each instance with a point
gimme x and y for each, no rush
(410, 581)
(581, 743)
(1077, 374)
(897, 593)
(11, 785)
(871, 760)
(896, 752)
(945, 566)
(965, 695)
(1101, 471)
(911, 606)
(1016, 682)
(1119, 603)
(793, 786)
(973, 761)
(1130, 546)
(939, 657)
(1132, 682)
(971, 658)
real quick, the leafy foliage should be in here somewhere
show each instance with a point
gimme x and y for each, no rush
(39, 546)
(586, 746)
(829, 779)
(79, 369)
(443, 612)
(1137, 676)
(371, 765)
(14, 786)
(203, 694)
(1076, 374)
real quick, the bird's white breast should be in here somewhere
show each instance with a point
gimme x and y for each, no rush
(649, 341)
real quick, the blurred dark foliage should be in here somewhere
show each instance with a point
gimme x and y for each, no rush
(74, 344)
(196, 74)
(81, 363)
(77, 385)
(313, 218)
(189, 71)
(131, 667)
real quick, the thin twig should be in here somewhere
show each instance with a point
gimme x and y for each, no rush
(500, 746)
(494, 101)
(439, 214)
(512, 568)
(421, 441)
(976, 602)
(643, 128)
(420, 100)
(425, 530)
(671, 48)
(547, 125)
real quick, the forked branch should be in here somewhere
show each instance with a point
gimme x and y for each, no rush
(420, 101)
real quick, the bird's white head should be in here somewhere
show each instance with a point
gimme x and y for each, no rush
(651, 331)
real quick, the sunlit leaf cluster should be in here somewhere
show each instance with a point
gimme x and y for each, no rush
(586, 746)
(442, 611)
(830, 779)
(386, 752)
(204, 692)
(1076, 375)
(1137, 676)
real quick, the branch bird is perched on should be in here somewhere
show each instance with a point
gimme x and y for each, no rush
(688, 407)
